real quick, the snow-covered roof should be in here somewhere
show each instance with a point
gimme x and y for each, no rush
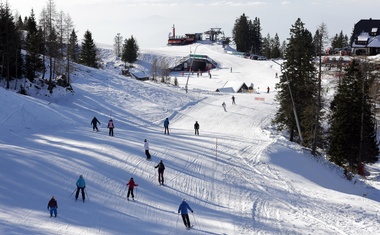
(375, 42)
(231, 86)
(363, 37)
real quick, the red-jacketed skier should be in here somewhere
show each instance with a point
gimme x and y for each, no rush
(131, 185)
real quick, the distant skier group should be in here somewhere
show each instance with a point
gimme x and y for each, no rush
(81, 183)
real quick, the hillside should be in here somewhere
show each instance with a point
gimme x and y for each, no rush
(239, 175)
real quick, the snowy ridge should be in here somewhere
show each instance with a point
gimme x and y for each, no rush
(238, 175)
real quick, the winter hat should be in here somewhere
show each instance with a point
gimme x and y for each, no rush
(145, 140)
(184, 200)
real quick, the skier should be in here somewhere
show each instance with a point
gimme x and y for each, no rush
(94, 123)
(110, 127)
(81, 185)
(166, 125)
(161, 169)
(52, 205)
(268, 89)
(131, 185)
(185, 216)
(233, 99)
(146, 147)
(224, 106)
(196, 128)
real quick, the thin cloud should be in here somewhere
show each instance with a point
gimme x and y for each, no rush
(285, 3)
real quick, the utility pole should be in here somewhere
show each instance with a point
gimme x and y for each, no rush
(293, 104)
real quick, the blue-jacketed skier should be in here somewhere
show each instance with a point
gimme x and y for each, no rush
(166, 125)
(183, 210)
(81, 185)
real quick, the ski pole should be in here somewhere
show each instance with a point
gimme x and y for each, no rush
(72, 193)
(177, 220)
(86, 194)
(195, 222)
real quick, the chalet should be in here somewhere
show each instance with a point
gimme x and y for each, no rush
(366, 37)
(233, 87)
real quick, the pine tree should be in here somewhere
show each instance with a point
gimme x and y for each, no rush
(352, 123)
(276, 47)
(130, 50)
(299, 80)
(240, 34)
(74, 49)
(33, 62)
(10, 45)
(88, 51)
(256, 40)
(267, 47)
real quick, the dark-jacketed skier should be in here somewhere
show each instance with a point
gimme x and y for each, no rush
(183, 207)
(94, 123)
(52, 206)
(161, 169)
(196, 128)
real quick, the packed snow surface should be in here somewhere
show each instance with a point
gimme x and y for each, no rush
(239, 175)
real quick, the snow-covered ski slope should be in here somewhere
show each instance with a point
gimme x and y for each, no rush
(238, 175)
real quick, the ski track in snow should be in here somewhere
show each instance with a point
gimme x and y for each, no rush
(234, 175)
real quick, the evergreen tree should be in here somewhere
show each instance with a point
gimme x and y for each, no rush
(300, 82)
(33, 62)
(10, 45)
(241, 35)
(339, 41)
(352, 122)
(247, 35)
(88, 51)
(256, 40)
(267, 47)
(74, 49)
(130, 50)
(276, 47)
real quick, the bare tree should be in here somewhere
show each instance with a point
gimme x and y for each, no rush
(68, 27)
(320, 41)
(118, 46)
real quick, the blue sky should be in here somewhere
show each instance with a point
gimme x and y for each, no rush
(150, 21)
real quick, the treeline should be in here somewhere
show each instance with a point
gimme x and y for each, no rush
(346, 127)
(247, 36)
(42, 50)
